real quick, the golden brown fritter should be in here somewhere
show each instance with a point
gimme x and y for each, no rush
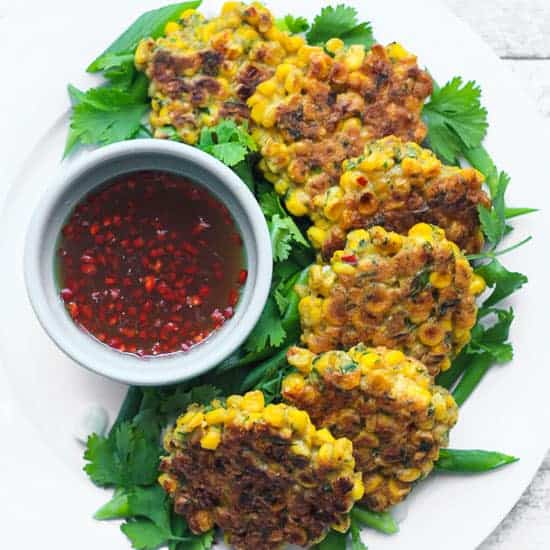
(265, 475)
(386, 403)
(319, 110)
(397, 184)
(413, 293)
(204, 70)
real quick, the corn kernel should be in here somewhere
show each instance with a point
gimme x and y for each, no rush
(171, 28)
(299, 420)
(187, 13)
(358, 488)
(274, 415)
(282, 71)
(300, 448)
(343, 268)
(394, 357)
(408, 475)
(422, 231)
(334, 45)
(372, 482)
(397, 52)
(267, 87)
(296, 203)
(440, 280)
(195, 421)
(230, 7)
(325, 454)
(431, 334)
(478, 285)
(217, 416)
(293, 384)
(343, 449)
(257, 112)
(253, 401)
(211, 439)
(445, 364)
(355, 57)
(168, 483)
(322, 436)
(300, 358)
(316, 236)
(234, 401)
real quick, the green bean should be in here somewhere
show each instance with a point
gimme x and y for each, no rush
(448, 378)
(291, 317)
(471, 461)
(130, 406)
(265, 369)
(380, 521)
(333, 541)
(473, 374)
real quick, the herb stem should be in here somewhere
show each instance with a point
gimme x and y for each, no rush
(129, 408)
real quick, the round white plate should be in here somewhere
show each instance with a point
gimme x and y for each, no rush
(46, 498)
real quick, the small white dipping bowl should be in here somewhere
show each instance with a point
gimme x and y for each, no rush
(89, 173)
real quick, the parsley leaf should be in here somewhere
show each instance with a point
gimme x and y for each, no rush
(294, 25)
(106, 114)
(227, 142)
(340, 22)
(144, 534)
(493, 220)
(503, 282)
(492, 339)
(268, 330)
(125, 458)
(455, 118)
(150, 23)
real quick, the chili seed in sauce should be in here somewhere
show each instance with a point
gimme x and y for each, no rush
(151, 264)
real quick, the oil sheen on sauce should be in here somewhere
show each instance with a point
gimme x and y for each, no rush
(151, 264)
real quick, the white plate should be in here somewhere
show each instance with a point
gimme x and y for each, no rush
(47, 500)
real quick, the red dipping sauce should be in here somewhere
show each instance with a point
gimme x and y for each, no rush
(151, 264)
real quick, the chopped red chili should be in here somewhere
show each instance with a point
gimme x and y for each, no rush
(146, 267)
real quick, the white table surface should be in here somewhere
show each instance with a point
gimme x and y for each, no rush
(518, 31)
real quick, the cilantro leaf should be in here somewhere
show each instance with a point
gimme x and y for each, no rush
(360, 34)
(150, 23)
(125, 458)
(144, 534)
(335, 23)
(503, 282)
(455, 118)
(284, 233)
(227, 142)
(294, 25)
(268, 330)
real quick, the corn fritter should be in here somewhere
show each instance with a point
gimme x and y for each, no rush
(386, 403)
(414, 293)
(264, 474)
(202, 71)
(318, 110)
(397, 184)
